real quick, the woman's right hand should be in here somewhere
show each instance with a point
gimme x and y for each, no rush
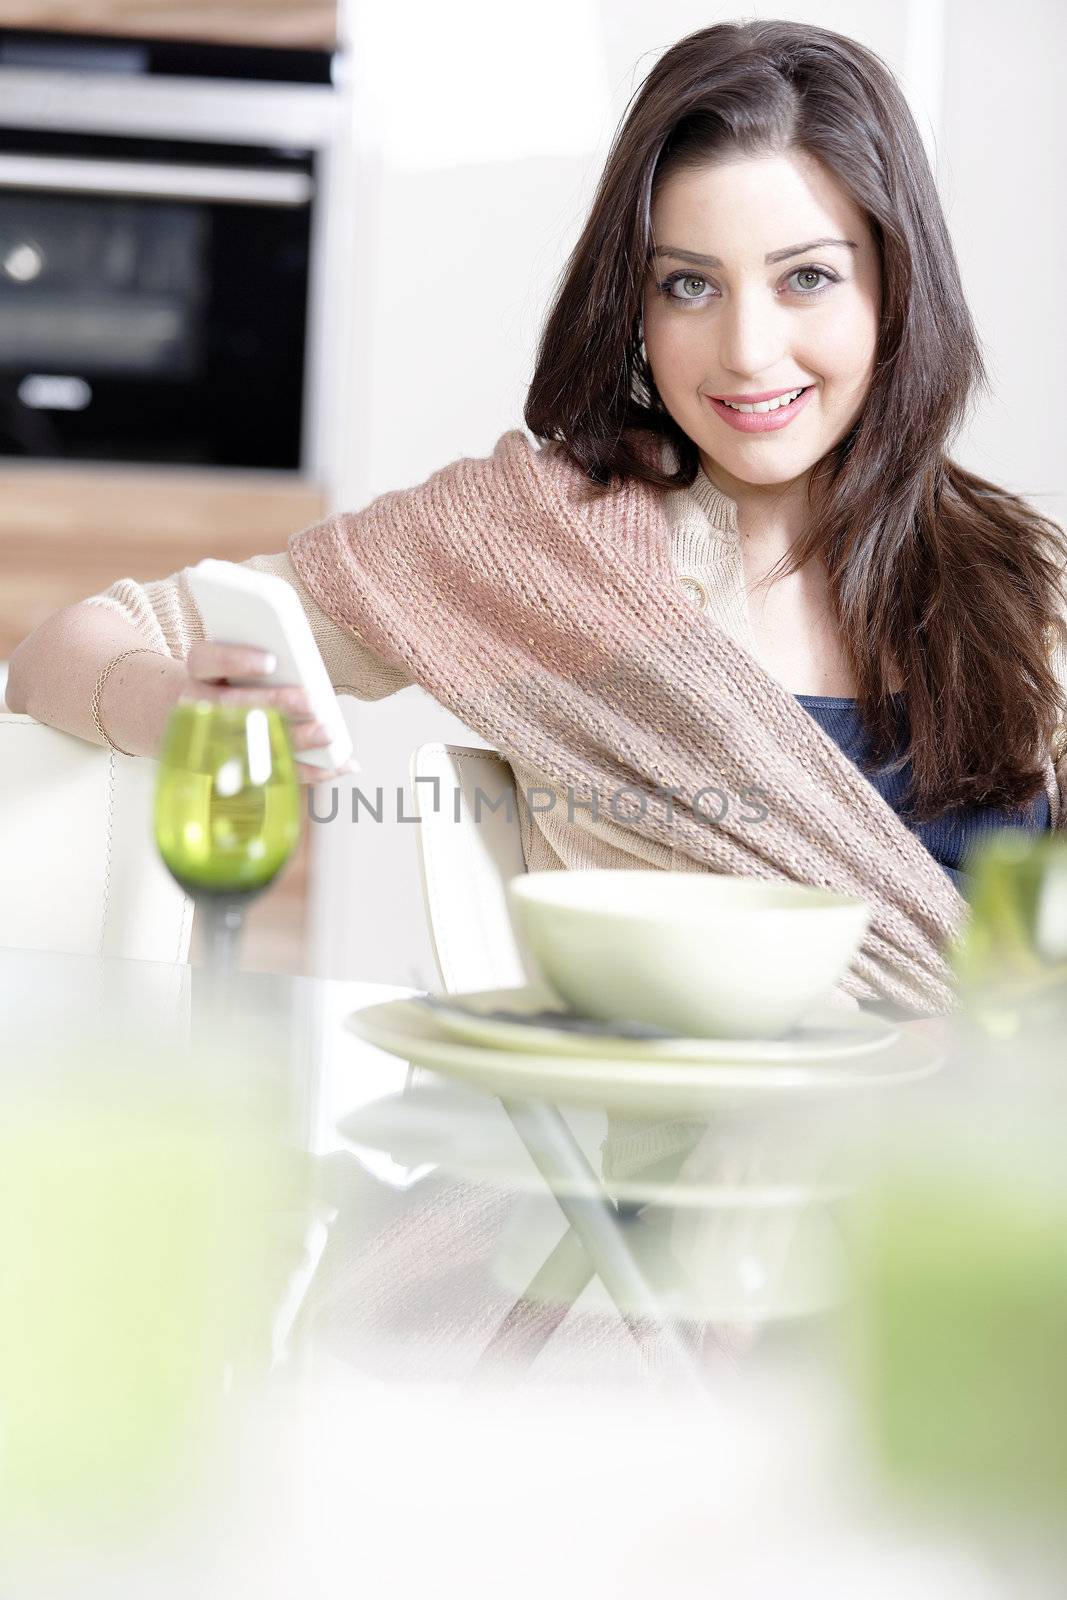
(210, 669)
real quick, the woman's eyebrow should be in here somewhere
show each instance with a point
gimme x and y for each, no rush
(775, 255)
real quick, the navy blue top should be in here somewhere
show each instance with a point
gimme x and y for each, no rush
(948, 838)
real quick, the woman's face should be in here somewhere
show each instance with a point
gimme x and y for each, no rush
(722, 318)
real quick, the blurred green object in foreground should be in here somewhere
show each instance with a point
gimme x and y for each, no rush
(1011, 960)
(227, 809)
(960, 1300)
(138, 1270)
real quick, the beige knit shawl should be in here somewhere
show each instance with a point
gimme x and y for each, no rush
(550, 622)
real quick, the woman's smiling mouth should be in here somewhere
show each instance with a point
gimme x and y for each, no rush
(774, 413)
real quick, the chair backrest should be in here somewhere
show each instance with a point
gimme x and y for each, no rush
(79, 870)
(469, 846)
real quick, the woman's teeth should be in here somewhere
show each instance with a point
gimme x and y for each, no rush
(766, 405)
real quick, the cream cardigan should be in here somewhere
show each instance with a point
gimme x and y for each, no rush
(706, 560)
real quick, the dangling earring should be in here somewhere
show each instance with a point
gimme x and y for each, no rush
(646, 369)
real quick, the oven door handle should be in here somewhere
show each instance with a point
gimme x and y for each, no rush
(236, 186)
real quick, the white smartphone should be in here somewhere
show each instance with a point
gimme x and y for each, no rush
(238, 605)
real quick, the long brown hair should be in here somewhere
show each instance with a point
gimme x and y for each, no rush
(935, 574)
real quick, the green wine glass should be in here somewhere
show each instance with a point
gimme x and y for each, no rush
(1011, 957)
(227, 814)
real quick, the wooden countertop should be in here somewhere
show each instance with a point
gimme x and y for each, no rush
(298, 24)
(68, 531)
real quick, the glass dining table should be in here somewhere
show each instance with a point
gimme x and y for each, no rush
(459, 1229)
(193, 1204)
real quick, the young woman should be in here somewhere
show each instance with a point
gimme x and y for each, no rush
(740, 610)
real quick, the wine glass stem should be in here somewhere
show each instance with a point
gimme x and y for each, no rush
(223, 922)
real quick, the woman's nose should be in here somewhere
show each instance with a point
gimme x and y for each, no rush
(750, 333)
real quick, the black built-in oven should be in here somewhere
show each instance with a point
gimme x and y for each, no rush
(153, 298)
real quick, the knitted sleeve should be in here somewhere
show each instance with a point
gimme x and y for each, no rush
(166, 614)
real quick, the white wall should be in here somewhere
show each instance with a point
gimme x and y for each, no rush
(478, 131)
(1005, 146)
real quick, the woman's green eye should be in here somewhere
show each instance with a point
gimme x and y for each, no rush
(807, 285)
(684, 280)
(812, 272)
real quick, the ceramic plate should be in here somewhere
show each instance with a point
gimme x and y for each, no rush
(467, 1133)
(529, 1020)
(407, 1029)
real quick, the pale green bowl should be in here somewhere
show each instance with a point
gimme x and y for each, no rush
(699, 953)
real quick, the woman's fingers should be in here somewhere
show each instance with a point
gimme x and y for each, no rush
(210, 666)
(227, 673)
(308, 735)
(218, 662)
(292, 700)
(309, 774)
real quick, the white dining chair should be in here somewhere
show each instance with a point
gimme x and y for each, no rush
(469, 846)
(79, 872)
